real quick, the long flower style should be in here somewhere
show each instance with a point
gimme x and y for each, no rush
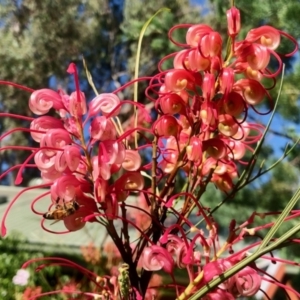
(90, 164)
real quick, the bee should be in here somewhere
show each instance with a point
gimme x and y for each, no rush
(62, 211)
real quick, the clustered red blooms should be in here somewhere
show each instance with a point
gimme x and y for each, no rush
(201, 129)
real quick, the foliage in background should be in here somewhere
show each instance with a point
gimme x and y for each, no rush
(14, 251)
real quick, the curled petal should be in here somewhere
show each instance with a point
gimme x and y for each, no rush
(100, 169)
(211, 44)
(181, 60)
(44, 123)
(252, 91)
(43, 161)
(169, 162)
(238, 149)
(265, 35)
(105, 103)
(50, 175)
(111, 152)
(71, 125)
(97, 127)
(130, 181)
(132, 161)
(259, 57)
(177, 80)
(95, 165)
(100, 188)
(214, 269)
(172, 104)
(247, 282)
(183, 257)
(42, 100)
(212, 164)
(243, 132)
(191, 60)
(197, 62)
(103, 129)
(196, 33)
(64, 188)
(55, 138)
(227, 125)
(233, 104)
(60, 161)
(167, 126)
(155, 258)
(177, 248)
(215, 148)
(105, 171)
(70, 158)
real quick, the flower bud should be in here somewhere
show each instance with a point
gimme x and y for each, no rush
(234, 21)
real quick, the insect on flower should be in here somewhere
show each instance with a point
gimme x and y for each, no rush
(62, 211)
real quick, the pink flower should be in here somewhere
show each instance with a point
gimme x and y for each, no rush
(55, 138)
(172, 104)
(106, 103)
(196, 33)
(167, 126)
(64, 188)
(42, 100)
(247, 283)
(252, 91)
(155, 258)
(132, 160)
(97, 127)
(177, 80)
(266, 35)
(228, 126)
(43, 161)
(69, 158)
(43, 124)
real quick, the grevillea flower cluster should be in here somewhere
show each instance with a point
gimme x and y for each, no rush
(91, 165)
